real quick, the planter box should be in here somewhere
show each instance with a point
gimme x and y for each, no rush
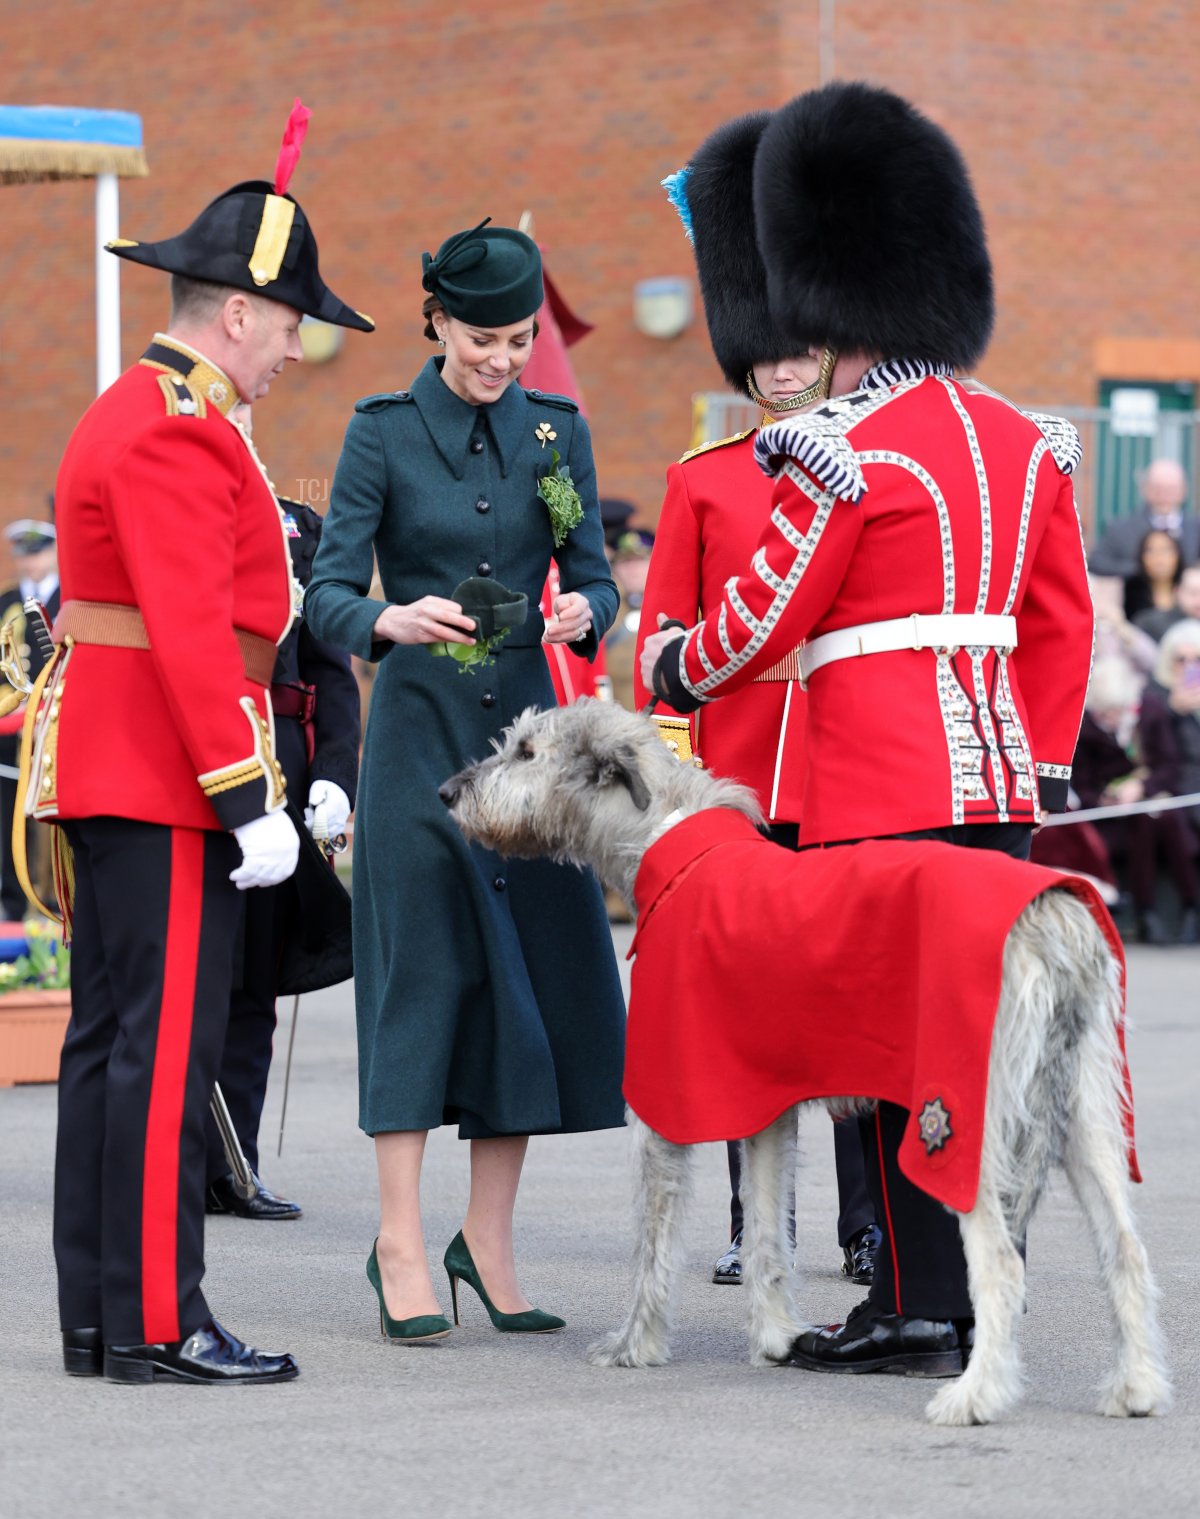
(32, 1025)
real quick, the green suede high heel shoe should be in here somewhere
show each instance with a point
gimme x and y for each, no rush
(414, 1331)
(461, 1268)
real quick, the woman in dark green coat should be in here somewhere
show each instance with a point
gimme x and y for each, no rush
(486, 990)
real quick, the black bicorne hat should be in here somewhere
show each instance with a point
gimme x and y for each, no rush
(254, 237)
(871, 235)
(717, 194)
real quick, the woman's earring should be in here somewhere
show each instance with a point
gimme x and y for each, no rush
(441, 342)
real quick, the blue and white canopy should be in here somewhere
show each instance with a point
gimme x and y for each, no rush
(46, 142)
(39, 142)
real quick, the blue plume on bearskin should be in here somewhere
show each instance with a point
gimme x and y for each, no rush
(676, 187)
(733, 279)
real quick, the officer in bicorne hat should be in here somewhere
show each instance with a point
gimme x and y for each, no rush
(154, 753)
(923, 565)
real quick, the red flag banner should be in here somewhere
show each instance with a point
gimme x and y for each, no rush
(549, 369)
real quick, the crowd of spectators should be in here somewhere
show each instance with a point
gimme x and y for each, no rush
(1140, 739)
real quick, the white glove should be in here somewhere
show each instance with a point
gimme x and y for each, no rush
(270, 848)
(328, 810)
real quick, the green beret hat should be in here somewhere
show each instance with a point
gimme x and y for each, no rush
(489, 276)
(493, 606)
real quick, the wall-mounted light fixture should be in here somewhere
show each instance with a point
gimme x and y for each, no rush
(662, 308)
(320, 340)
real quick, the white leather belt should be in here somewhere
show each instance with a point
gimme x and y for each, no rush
(951, 630)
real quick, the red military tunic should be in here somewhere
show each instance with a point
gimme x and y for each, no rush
(915, 495)
(717, 504)
(875, 971)
(163, 506)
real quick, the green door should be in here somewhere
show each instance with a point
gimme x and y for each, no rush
(1139, 420)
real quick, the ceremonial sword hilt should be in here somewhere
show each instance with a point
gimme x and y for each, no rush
(38, 623)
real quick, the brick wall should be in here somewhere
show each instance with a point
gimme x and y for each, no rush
(428, 116)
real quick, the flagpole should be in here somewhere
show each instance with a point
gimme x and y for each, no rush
(108, 283)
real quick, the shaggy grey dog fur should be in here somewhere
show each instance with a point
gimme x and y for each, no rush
(594, 785)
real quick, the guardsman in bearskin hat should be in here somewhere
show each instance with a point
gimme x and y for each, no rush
(154, 752)
(924, 564)
(717, 504)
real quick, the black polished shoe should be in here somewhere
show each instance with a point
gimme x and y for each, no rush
(83, 1352)
(728, 1270)
(872, 1341)
(209, 1354)
(222, 1196)
(1189, 926)
(858, 1255)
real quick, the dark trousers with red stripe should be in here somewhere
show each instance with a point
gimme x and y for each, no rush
(156, 919)
(920, 1269)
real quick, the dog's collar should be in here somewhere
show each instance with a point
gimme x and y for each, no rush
(673, 817)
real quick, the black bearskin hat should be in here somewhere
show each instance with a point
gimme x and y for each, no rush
(871, 234)
(719, 189)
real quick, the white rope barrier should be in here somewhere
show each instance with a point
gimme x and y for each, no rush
(1127, 810)
(1052, 820)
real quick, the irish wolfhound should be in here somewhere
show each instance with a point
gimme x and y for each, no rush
(594, 785)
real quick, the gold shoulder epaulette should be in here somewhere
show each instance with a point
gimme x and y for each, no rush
(182, 399)
(705, 448)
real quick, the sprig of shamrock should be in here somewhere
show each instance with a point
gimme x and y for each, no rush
(563, 501)
(472, 656)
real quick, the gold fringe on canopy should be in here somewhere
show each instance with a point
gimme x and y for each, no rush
(26, 161)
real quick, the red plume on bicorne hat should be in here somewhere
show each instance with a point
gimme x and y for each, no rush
(255, 237)
(293, 141)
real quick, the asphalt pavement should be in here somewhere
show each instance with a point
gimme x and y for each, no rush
(485, 1424)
